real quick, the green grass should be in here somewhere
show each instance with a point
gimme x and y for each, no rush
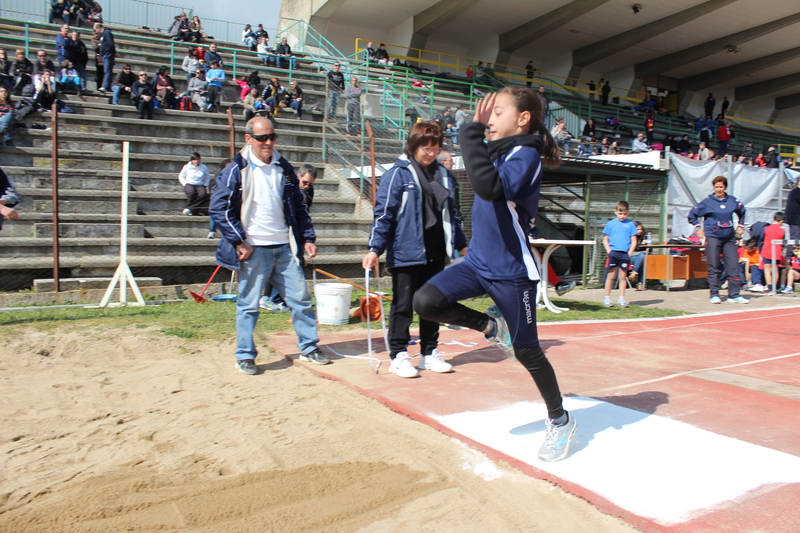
(216, 320)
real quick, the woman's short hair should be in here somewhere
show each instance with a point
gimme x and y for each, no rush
(423, 134)
(720, 179)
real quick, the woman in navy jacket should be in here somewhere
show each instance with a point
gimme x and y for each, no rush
(417, 224)
(717, 210)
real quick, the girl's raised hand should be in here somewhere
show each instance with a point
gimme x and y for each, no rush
(484, 110)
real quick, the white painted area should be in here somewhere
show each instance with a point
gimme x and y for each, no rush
(652, 159)
(654, 467)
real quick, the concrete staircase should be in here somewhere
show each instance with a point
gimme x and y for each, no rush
(162, 241)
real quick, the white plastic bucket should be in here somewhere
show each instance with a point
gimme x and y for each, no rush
(333, 303)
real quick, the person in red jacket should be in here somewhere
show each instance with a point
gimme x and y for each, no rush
(724, 137)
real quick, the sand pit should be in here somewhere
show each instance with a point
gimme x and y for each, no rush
(131, 430)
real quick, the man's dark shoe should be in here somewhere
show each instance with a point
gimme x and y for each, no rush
(248, 366)
(316, 356)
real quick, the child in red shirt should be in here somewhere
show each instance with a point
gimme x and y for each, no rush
(793, 272)
(773, 232)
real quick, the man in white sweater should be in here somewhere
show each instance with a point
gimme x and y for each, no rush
(195, 178)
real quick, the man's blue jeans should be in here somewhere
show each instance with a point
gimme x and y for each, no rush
(108, 71)
(333, 103)
(277, 265)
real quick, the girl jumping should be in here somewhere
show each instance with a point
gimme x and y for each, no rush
(506, 176)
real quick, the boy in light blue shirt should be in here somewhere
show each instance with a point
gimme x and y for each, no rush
(619, 240)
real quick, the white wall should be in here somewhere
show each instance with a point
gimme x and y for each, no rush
(758, 107)
(485, 51)
(400, 35)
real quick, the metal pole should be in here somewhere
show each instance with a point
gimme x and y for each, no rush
(232, 128)
(372, 159)
(56, 263)
(587, 196)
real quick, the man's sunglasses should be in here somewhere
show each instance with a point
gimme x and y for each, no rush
(264, 137)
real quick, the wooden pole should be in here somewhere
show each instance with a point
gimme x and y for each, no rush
(56, 262)
(232, 128)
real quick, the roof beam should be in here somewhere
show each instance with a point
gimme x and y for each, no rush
(787, 102)
(585, 56)
(433, 18)
(725, 74)
(526, 33)
(688, 55)
(763, 88)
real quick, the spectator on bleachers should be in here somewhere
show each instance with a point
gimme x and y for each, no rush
(352, 97)
(703, 153)
(684, 146)
(649, 127)
(382, 55)
(59, 9)
(195, 178)
(709, 105)
(69, 77)
(724, 137)
(9, 197)
(190, 63)
(78, 14)
(261, 32)
(7, 117)
(41, 64)
(294, 98)
(759, 160)
(615, 148)
(771, 160)
(284, 57)
(144, 94)
(98, 59)
(243, 86)
(602, 147)
(179, 31)
(46, 88)
(22, 70)
(272, 94)
(95, 13)
(589, 129)
(336, 88)
(6, 78)
(165, 88)
(542, 94)
(252, 104)
(211, 55)
(469, 72)
(748, 152)
(108, 51)
(369, 53)
(638, 145)
(706, 132)
(254, 80)
(562, 136)
(78, 55)
(198, 88)
(123, 83)
(461, 118)
(530, 70)
(605, 90)
(196, 32)
(585, 148)
(249, 37)
(215, 77)
(263, 50)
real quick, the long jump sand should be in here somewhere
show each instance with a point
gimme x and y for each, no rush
(130, 430)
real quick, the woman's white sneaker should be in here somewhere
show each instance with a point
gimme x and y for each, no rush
(402, 366)
(434, 362)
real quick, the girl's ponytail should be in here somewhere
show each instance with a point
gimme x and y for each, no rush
(551, 154)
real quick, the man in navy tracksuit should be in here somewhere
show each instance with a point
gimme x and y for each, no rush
(258, 206)
(717, 210)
